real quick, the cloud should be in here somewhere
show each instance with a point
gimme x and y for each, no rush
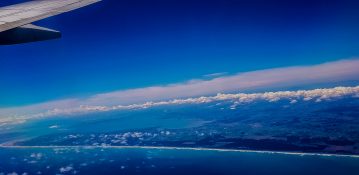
(332, 72)
(218, 74)
(317, 95)
(344, 70)
(54, 126)
(66, 169)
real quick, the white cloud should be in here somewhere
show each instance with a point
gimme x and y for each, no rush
(66, 169)
(293, 101)
(213, 75)
(345, 70)
(54, 126)
(37, 156)
(13, 173)
(332, 72)
(316, 95)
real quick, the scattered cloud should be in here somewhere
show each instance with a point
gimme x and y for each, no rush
(54, 126)
(191, 91)
(293, 101)
(37, 156)
(66, 169)
(13, 173)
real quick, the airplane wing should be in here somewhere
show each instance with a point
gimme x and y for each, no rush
(15, 20)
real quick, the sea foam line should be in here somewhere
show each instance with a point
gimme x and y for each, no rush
(182, 148)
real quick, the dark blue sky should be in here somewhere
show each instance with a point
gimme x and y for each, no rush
(123, 44)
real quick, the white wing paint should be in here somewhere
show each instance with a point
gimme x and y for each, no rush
(15, 20)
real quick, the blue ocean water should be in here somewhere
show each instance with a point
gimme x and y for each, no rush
(90, 160)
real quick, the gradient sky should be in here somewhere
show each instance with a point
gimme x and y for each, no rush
(126, 44)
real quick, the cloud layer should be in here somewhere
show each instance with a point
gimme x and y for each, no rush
(332, 72)
(317, 95)
(345, 70)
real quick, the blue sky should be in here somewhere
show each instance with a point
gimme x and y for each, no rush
(116, 45)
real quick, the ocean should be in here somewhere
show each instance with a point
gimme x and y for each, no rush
(165, 160)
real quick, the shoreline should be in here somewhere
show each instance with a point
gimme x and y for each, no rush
(182, 148)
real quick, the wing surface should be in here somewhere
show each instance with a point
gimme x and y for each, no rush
(25, 13)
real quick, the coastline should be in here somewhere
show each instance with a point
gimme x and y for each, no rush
(181, 148)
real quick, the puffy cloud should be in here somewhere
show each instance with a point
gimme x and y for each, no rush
(36, 155)
(293, 101)
(54, 126)
(183, 93)
(66, 169)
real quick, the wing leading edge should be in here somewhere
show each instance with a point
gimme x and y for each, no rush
(15, 20)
